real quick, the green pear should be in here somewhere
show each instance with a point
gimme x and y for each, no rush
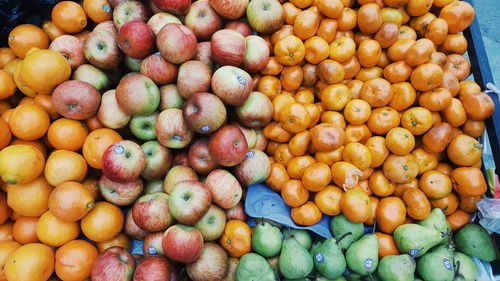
(299, 279)
(437, 265)
(328, 259)
(345, 231)
(266, 240)
(437, 220)
(254, 267)
(396, 268)
(362, 255)
(295, 261)
(475, 241)
(415, 240)
(465, 268)
(353, 276)
(303, 237)
(323, 278)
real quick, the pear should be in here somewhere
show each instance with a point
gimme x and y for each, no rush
(323, 278)
(416, 240)
(303, 237)
(437, 265)
(295, 261)
(396, 268)
(299, 279)
(437, 220)
(465, 268)
(266, 240)
(254, 267)
(362, 255)
(328, 259)
(474, 240)
(345, 231)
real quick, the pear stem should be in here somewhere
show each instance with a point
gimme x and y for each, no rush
(374, 225)
(343, 236)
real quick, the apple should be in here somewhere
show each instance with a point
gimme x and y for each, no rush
(153, 8)
(101, 50)
(232, 85)
(231, 270)
(199, 157)
(159, 20)
(115, 3)
(204, 53)
(71, 48)
(138, 95)
(152, 244)
(224, 188)
(159, 70)
(155, 268)
(158, 160)
(123, 161)
(236, 213)
(76, 99)
(194, 77)
(108, 25)
(204, 113)
(170, 97)
(110, 113)
(153, 186)
(230, 9)
(256, 54)
(203, 20)
(131, 229)
(172, 130)
(212, 224)
(254, 169)
(182, 243)
(178, 7)
(120, 193)
(143, 127)
(92, 75)
(114, 264)
(265, 16)
(228, 145)
(256, 111)
(212, 264)
(261, 142)
(176, 43)
(133, 65)
(136, 39)
(249, 133)
(189, 201)
(128, 11)
(177, 174)
(181, 158)
(228, 47)
(152, 213)
(242, 27)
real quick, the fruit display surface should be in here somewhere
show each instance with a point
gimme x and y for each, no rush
(243, 140)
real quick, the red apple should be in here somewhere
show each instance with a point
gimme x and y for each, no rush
(177, 174)
(204, 53)
(172, 130)
(256, 54)
(159, 70)
(232, 85)
(71, 48)
(76, 99)
(261, 143)
(224, 188)
(176, 43)
(155, 268)
(93, 75)
(236, 213)
(133, 65)
(153, 8)
(228, 47)
(143, 126)
(189, 201)
(114, 264)
(230, 9)
(194, 77)
(159, 20)
(199, 157)
(138, 95)
(120, 193)
(228, 145)
(128, 11)
(115, 3)
(123, 161)
(212, 264)
(265, 16)
(158, 160)
(242, 27)
(254, 169)
(249, 133)
(204, 113)
(203, 20)
(153, 186)
(108, 25)
(131, 229)
(101, 50)
(182, 243)
(110, 113)
(178, 7)
(256, 111)
(136, 39)
(152, 213)
(152, 244)
(180, 158)
(170, 97)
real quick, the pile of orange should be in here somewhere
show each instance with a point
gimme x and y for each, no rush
(373, 117)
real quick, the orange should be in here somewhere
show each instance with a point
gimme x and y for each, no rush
(358, 155)
(92, 184)
(69, 16)
(29, 199)
(333, 117)
(383, 119)
(74, 260)
(400, 169)
(274, 132)
(297, 166)
(316, 49)
(435, 185)
(378, 150)
(280, 102)
(26, 36)
(67, 134)
(329, 157)
(295, 118)
(327, 137)
(36, 144)
(468, 204)
(380, 185)
(6, 248)
(458, 15)
(386, 245)
(6, 135)
(20, 164)
(327, 29)
(391, 213)
(299, 144)
(306, 24)
(52, 30)
(98, 10)
(335, 97)
(369, 52)
(7, 85)
(103, 222)
(417, 120)
(468, 181)
(282, 154)
(357, 111)
(307, 214)
(5, 211)
(45, 101)
(417, 205)
(448, 204)
(56, 232)
(328, 200)
(120, 240)
(400, 141)
(316, 177)
(277, 177)
(355, 205)
(330, 8)
(236, 238)
(6, 56)
(342, 49)
(464, 150)
(4, 106)
(374, 205)
(63, 165)
(291, 77)
(289, 50)
(70, 201)
(345, 175)
(6, 231)
(29, 122)
(24, 230)
(330, 71)
(96, 143)
(293, 192)
(427, 77)
(34, 262)
(426, 161)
